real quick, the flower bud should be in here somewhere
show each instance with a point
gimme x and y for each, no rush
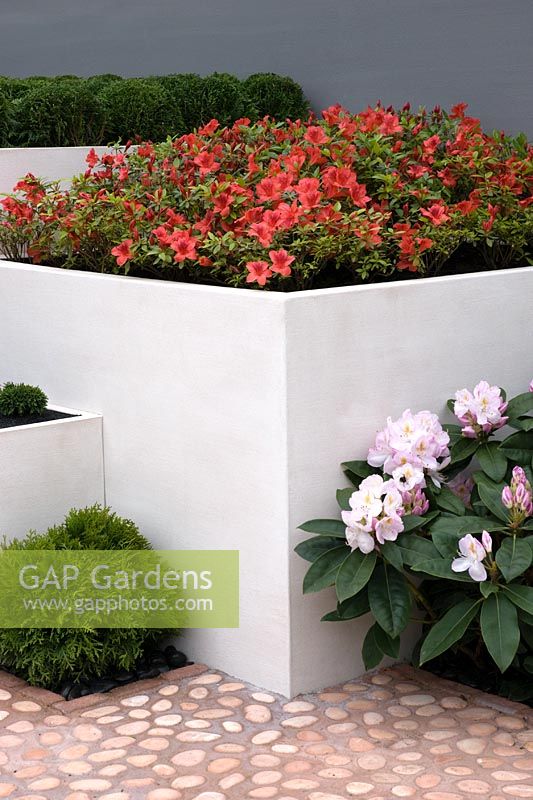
(507, 497)
(486, 541)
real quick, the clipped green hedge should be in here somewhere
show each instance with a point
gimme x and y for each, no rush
(67, 110)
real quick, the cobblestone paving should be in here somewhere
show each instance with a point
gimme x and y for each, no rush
(199, 735)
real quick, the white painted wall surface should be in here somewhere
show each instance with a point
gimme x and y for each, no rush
(48, 468)
(52, 163)
(228, 411)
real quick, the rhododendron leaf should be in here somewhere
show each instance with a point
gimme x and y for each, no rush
(387, 644)
(354, 573)
(371, 651)
(392, 553)
(454, 432)
(440, 568)
(390, 600)
(445, 542)
(343, 497)
(499, 628)
(350, 609)
(448, 501)
(414, 548)
(448, 630)
(518, 447)
(513, 557)
(313, 548)
(463, 450)
(492, 461)
(325, 527)
(490, 494)
(464, 524)
(519, 406)
(487, 588)
(323, 571)
(523, 424)
(521, 596)
(411, 522)
(360, 468)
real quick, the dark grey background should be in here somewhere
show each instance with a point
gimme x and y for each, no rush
(349, 51)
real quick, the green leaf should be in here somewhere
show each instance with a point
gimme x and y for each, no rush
(446, 543)
(448, 501)
(361, 469)
(387, 645)
(448, 630)
(412, 522)
(463, 450)
(454, 432)
(518, 447)
(350, 609)
(499, 628)
(491, 495)
(513, 557)
(392, 553)
(519, 406)
(323, 571)
(354, 573)
(441, 568)
(414, 548)
(492, 460)
(343, 497)
(487, 588)
(523, 424)
(390, 601)
(371, 651)
(325, 527)
(521, 596)
(311, 549)
(467, 524)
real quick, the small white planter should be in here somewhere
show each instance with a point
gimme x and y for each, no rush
(51, 163)
(47, 468)
(228, 411)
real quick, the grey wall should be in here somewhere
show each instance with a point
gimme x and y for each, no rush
(351, 51)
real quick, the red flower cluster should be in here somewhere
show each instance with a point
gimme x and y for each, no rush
(289, 205)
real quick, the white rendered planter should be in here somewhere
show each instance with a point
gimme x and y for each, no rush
(47, 468)
(51, 163)
(228, 411)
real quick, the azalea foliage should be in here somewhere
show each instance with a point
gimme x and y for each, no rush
(439, 529)
(289, 205)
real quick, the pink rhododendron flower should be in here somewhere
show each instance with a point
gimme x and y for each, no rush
(375, 515)
(471, 558)
(518, 497)
(531, 386)
(415, 502)
(480, 411)
(415, 439)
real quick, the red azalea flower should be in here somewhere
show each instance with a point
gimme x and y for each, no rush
(259, 271)
(209, 129)
(315, 134)
(281, 261)
(206, 162)
(263, 232)
(390, 124)
(91, 158)
(184, 246)
(122, 252)
(267, 189)
(359, 196)
(436, 213)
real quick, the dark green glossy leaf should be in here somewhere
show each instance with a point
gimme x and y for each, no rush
(519, 447)
(491, 495)
(371, 651)
(325, 527)
(414, 548)
(521, 596)
(441, 568)
(463, 450)
(446, 543)
(448, 501)
(350, 609)
(499, 628)
(448, 630)
(492, 460)
(520, 405)
(467, 524)
(387, 645)
(311, 549)
(412, 522)
(392, 553)
(354, 573)
(360, 468)
(343, 497)
(390, 600)
(323, 571)
(513, 557)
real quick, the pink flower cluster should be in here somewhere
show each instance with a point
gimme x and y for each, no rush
(518, 497)
(462, 486)
(481, 411)
(375, 515)
(417, 440)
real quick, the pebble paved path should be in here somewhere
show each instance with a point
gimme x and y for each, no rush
(197, 734)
